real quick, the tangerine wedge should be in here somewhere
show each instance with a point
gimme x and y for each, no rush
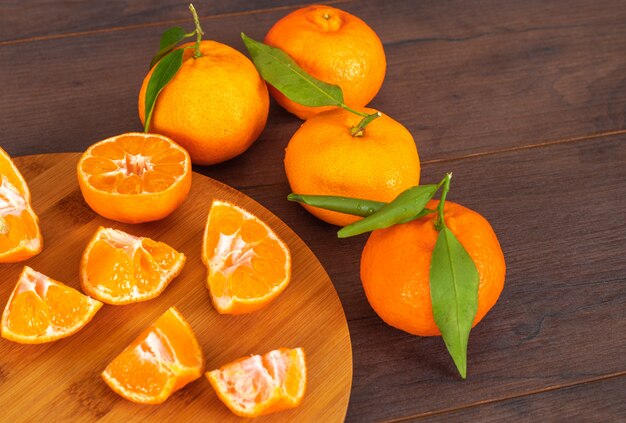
(41, 309)
(135, 177)
(257, 385)
(119, 268)
(248, 264)
(20, 237)
(160, 361)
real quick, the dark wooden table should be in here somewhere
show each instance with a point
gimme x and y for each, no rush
(525, 101)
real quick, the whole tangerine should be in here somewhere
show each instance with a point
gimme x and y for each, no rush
(395, 267)
(324, 158)
(334, 46)
(215, 106)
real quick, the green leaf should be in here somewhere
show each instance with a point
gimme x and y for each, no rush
(424, 212)
(163, 73)
(454, 295)
(284, 74)
(405, 207)
(170, 38)
(354, 206)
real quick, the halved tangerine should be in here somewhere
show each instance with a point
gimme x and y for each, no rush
(41, 309)
(248, 264)
(119, 268)
(257, 385)
(20, 237)
(161, 360)
(135, 177)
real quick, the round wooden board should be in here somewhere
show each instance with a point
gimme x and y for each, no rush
(60, 381)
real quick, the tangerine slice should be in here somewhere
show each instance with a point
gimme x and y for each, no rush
(257, 385)
(135, 177)
(41, 309)
(13, 175)
(20, 237)
(161, 360)
(119, 268)
(248, 264)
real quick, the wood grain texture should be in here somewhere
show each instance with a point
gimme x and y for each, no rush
(497, 81)
(590, 402)
(557, 212)
(60, 381)
(25, 21)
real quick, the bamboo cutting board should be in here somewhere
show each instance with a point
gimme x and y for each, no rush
(60, 381)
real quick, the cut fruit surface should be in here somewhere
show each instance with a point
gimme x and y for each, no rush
(160, 361)
(135, 177)
(13, 175)
(20, 237)
(119, 268)
(41, 310)
(248, 264)
(257, 385)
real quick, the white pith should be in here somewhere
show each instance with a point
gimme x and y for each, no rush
(242, 252)
(240, 378)
(30, 280)
(153, 349)
(130, 244)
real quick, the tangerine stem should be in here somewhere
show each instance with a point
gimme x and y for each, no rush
(444, 192)
(356, 112)
(198, 31)
(358, 130)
